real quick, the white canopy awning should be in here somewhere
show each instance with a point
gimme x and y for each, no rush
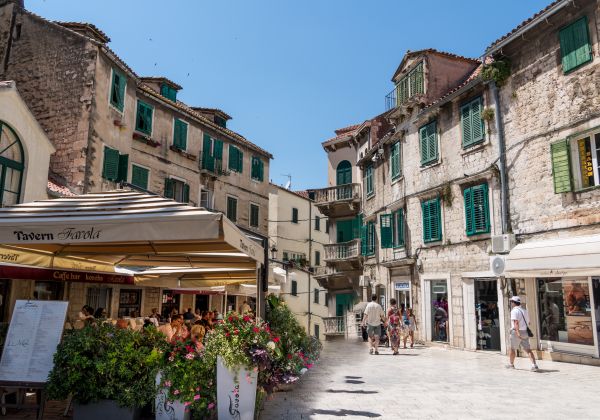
(250, 289)
(576, 256)
(138, 231)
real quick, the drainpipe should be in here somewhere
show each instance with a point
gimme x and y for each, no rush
(499, 126)
(309, 259)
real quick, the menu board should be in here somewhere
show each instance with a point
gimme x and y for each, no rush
(33, 335)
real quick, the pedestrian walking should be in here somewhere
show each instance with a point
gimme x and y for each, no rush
(412, 327)
(519, 333)
(372, 318)
(394, 326)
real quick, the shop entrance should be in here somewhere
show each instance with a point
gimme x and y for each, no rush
(170, 301)
(487, 316)
(343, 303)
(201, 303)
(439, 310)
(130, 303)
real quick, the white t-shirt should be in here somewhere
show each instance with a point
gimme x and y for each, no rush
(373, 314)
(520, 315)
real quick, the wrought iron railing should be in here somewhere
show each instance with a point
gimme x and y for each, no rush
(342, 250)
(337, 193)
(335, 325)
(390, 100)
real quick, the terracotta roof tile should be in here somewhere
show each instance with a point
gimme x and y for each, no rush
(60, 190)
(524, 23)
(99, 34)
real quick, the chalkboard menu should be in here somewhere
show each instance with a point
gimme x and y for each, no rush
(33, 335)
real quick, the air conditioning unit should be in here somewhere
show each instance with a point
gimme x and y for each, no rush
(364, 281)
(502, 244)
(497, 264)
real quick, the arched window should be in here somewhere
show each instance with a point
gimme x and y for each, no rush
(11, 166)
(344, 173)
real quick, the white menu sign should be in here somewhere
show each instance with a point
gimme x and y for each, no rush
(33, 335)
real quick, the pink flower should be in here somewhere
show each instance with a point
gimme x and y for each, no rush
(211, 406)
(167, 383)
(196, 397)
(176, 392)
(171, 359)
(186, 403)
(308, 366)
(189, 356)
(255, 329)
(246, 318)
(236, 332)
(276, 339)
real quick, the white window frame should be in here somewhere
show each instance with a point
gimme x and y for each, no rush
(594, 137)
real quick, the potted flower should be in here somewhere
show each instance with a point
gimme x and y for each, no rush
(185, 383)
(109, 372)
(240, 347)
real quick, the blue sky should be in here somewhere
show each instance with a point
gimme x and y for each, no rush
(288, 72)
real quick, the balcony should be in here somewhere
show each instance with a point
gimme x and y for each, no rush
(335, 325)
(344, 254)
(338, 201)
(333, 278)
(210, 165)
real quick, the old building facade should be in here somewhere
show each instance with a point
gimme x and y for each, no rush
(297, 236)
(111, 127)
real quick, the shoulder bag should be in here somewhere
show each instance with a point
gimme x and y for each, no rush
(529, 333)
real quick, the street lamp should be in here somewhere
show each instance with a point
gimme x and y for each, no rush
(273, 252)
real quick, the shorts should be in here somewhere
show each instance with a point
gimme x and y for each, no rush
(515, 341)
(373, 330)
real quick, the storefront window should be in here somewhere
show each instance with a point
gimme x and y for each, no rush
(439, 310)
(170, 302)
(130, 303)
(99, 299)
(48, 290)
(565, 310)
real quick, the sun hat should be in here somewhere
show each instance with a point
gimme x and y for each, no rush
(516, 299)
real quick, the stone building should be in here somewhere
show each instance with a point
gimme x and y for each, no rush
(297, 235)
(111, 127)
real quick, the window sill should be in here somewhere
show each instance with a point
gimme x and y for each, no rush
(114, 108)
(574, 69)
(426, 166)
(479, 236)
(395, 181)
(145, 138)
(370, 196)
(474, 147)
(431, 244)
(584, 190)
(183, 153)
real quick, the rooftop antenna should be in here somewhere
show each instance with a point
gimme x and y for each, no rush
(288, 184)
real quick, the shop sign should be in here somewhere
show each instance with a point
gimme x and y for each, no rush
(402, 285)
(32, 273)
(65, 235)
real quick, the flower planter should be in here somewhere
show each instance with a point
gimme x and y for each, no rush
(104, 409)
(236, 393)
(168, 410)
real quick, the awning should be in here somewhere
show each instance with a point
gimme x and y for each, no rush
(134, 230)
(215, 290)
(576, 256)
(250, 289)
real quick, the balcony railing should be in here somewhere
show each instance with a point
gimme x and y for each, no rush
(342, 250)
(390, 100)
(337, 193)
(335, 325)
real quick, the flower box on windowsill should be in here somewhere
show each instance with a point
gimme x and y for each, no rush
(183, 153)
(145, 139)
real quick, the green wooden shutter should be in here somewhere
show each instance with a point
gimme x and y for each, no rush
(294, 215)
(428, 140)
(168, 188)
(419, 85)
(477, 130)
(363, 240)
(481, 218)
(123, 167)
(575, 46)
(180, 135)
(399, 233)
(395, 161)
(139, 176)
(261, 170)
(117, 95)
(110, 167)
(470, 226)
(317, 258)
(148, 119)
(424, 144)
(294, 288)
(253, 215)
(561, 168)
(186, 193)
(218, 150)
(465, 120)
(240, 163)
(426, 223)
(208, 161)
(233, 158)
(436, 217)
(385, 230)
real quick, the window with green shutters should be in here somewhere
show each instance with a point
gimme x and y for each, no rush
(285, 256)
(254, 215)
(139, 176)
(398, 228)
(316, 296)
(561, 168)
(368, 181)
(317, 258)
(317, 223)
(168, 92)
(236, 159)
(395, 168)
(232, 209)
(432, 220)
(575, 46)
(212, 154)
(429, 144)
(294, 288)
(477, 213)
(385, 230)
(410, 85)
(257, 169)
(473, 129)
(370, 238)
(114, 167)
(143, 118)
(117, 90)
(177, 190)
(180, 134)
(294, 215)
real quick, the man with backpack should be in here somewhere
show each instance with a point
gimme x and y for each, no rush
(519, 333)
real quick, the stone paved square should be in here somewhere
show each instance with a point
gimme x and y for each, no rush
(433, 383)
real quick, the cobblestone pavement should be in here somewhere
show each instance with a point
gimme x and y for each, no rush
(436, 383)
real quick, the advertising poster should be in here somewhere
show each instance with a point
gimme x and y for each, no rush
(578, 315)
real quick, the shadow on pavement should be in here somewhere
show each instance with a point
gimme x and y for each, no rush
(344, 413)
(546, 370)
(345, 391)
(354, 381)
(353, 377)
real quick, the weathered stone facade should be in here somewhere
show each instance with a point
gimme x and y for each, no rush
(65, 74)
